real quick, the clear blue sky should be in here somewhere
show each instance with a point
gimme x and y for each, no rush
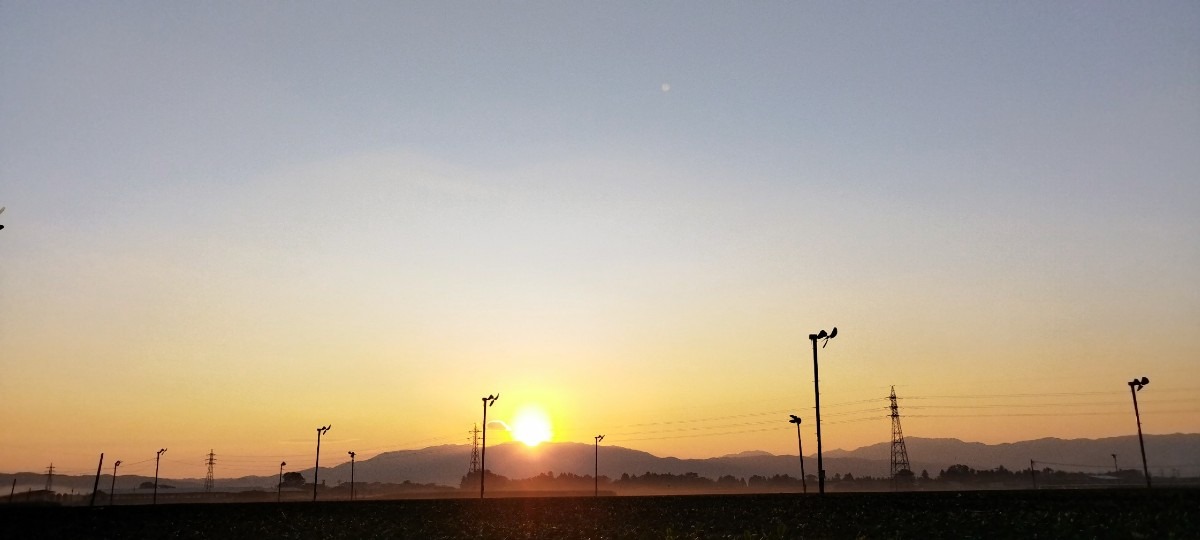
(217, 207)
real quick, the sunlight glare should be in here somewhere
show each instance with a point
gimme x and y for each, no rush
(531, 426)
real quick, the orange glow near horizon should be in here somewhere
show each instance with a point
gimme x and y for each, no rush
(531, 426)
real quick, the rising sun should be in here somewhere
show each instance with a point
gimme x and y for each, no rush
(531, 426)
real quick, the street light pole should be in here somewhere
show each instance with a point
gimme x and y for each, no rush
(351, 475)
(96, 484)
(800, 443)
(279, 485)
(597, 475)
(487, 402)
(113, 488)
(817, 392)
(317, 467)
(157, 458)
(1135, 386)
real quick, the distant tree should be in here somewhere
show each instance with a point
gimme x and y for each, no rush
(150, 485)
(730, 482)
(471, 481)
(957, 472)
(924, 475)
(292, 479)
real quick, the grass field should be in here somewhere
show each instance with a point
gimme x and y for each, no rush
(976, 514)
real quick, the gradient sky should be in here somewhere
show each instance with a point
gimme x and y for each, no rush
(230, 223)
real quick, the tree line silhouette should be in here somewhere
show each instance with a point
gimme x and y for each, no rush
(957, 476)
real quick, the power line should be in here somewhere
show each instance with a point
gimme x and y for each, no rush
(1035, 414)
(701, 435)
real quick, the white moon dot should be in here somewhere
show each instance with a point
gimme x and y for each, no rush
(666, 87)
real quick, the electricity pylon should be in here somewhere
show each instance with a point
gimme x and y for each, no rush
(899, 451)
(208, 479)
(474, 450)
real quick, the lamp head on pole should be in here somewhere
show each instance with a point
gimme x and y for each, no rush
(160, 452)
(795, 419)
(491, 399)
(823, 335)
(1139, 383)
(599, 438)
(117, 464)
(282, 463)
(321, 430)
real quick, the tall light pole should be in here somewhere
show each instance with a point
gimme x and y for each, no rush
(800, 442)
(157, 458)
(351, 475)
(317, 467)
(96, 484)
(597, 476)
(1115, 467)
(1135, 386)
(279, 485)
(817, 392)
(487, 402)
(113, 488)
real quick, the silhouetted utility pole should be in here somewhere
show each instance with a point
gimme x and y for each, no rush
(96, 484)
(13, 492)
(351, 475)
(279, 486)
(1115, 467)
(817, 391)
(1136, 386)
(208, 479)
(50, 477)
(474, 450)
(800, 443)
(899, 450)
(317, 467)
(487, 402)
(1033, 474)
(597, 476)
(112, 490)
(157, 458)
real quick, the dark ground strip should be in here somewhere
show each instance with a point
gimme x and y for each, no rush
(1166, 513)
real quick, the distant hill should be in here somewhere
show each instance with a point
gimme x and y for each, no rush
(447, 464)
(748, 453)
(1167, 454)
(1176, 454)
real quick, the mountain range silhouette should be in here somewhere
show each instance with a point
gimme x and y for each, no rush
(1168, 455)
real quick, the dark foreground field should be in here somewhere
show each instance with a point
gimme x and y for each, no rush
(979, 514)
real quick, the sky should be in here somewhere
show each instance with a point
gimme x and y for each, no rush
(231, 223)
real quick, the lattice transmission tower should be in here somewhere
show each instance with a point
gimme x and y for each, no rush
(474, 449)
(208, 479)
(50, 477)
(899, 451)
